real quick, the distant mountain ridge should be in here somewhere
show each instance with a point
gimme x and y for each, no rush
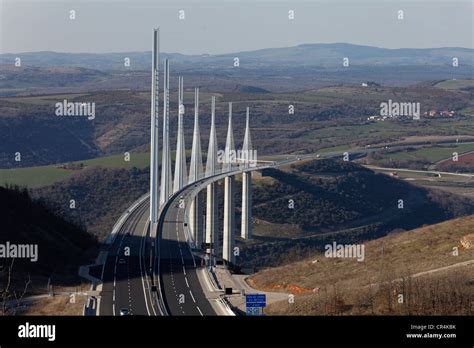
(324, 55)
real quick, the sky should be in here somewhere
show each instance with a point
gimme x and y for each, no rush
(224, 26)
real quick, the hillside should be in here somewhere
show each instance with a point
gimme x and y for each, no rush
(344, 286)
(101, 196)
(330, 196)
(60, 76)
(325, 118)
(337, 200)
(305, 54)
(61, 245)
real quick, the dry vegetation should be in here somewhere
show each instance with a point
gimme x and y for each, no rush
(57, 305)
(345, 286)
(432, 295)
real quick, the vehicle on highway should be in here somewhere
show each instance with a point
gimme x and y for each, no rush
(124, 311)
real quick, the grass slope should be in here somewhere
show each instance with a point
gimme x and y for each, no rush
(387, 259)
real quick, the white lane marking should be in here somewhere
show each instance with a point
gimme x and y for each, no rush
(192, 296)
(141, 269)
(184, 270)
(186, 279)
(199, 310)
(189, 247)
(113, 295)
(115, 270)
(145, 229)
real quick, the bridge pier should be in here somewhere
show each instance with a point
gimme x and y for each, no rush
(211, 219)
(229, 220)
(246, 227)
(196, 220)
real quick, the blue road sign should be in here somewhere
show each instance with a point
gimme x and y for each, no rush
(254, 304)
(256, 298)
(254, 311)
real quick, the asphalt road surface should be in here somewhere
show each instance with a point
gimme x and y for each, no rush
(181, 289)
(125, 284)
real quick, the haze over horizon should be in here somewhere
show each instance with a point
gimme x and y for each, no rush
(235, 52)
(214, 27)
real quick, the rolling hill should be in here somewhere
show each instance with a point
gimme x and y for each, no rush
(326, 55)
(415, 264)
(336, 200)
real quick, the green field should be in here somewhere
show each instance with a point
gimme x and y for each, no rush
(46, 175)
(334, 149)
(431, 154)
(455, 84)
(358, 132)
(138, 160)
(383, 132)
(48, 99)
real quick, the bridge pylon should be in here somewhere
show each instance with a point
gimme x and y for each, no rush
(246, 225)
(154, 129)
(211, 190)
(180, 171)
(165, 189)
(229, 193)
(195, 174)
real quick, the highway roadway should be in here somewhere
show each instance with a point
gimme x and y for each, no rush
(125, 281)
(181, 289)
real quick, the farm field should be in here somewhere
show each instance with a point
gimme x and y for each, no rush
(431, 154)
(34, 177)
(465, 160)
(455, 84)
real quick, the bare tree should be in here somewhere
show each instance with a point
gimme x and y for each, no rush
(9, 296)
